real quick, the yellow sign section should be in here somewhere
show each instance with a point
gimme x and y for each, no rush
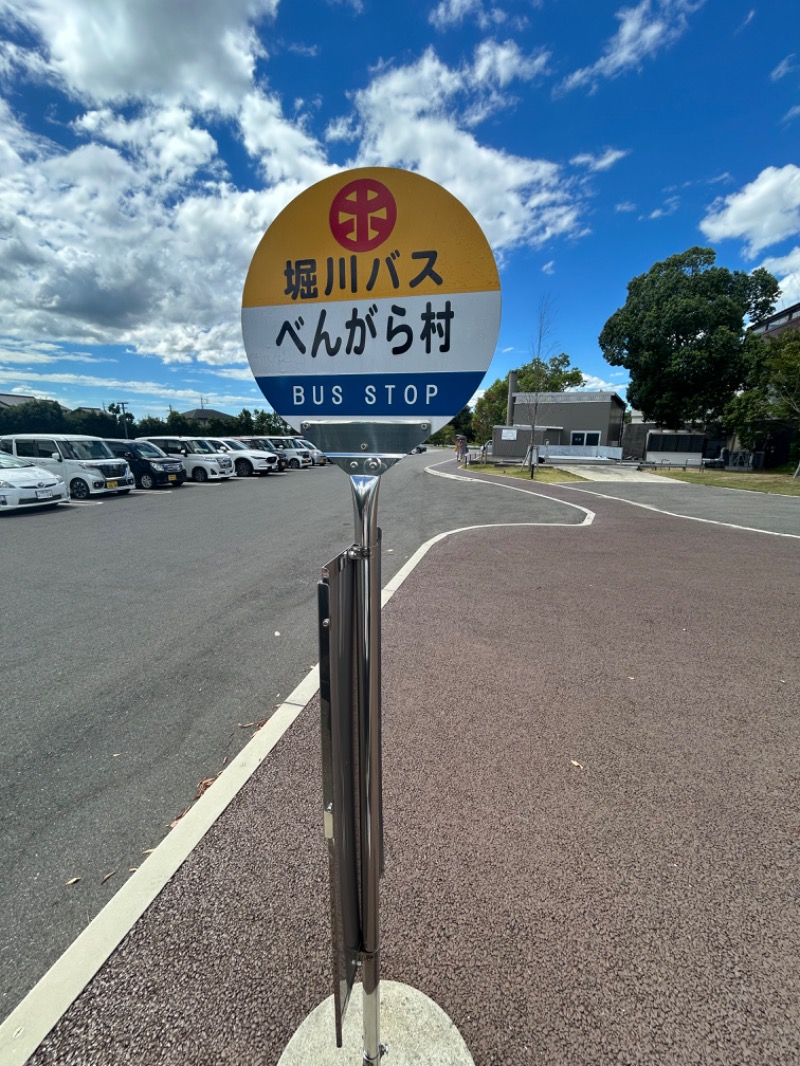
(370, 233)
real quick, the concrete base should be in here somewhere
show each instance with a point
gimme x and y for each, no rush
(415, 1031)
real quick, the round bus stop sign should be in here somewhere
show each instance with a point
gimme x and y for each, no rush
(374, 295)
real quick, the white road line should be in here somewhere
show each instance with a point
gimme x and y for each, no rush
(687, 517)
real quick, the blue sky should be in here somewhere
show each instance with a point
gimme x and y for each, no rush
(146, 146)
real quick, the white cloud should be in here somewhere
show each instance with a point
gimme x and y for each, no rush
(599, 162)
(592, 383)
(500, 63)
(13, 351)
(786, 66)
(408, 116)
(671, 205)
(644, 30)
(764, 212)
(166, 140)
(136, 235)
(284, 149)
(111, 385)
(786, 269)
(454, 12)
(115, 50)
(625, 206)
(792, 113)
(549, 267)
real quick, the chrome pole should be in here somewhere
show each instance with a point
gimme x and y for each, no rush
(368, 657)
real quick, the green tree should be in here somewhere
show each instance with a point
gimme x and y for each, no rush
(150, 427)
(243, 423)
(125, 420)
(539, 375)
(490, 410)
(221, 427)
(549, 375)
(38, 416)
(93, 423)
(681, 335)
(462, 423)
(773, 396)
(268, 424)
(181, 426)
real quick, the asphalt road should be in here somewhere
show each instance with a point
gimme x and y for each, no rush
(748, 510)
(141, 638)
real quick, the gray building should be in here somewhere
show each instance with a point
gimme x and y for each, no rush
(576, 419)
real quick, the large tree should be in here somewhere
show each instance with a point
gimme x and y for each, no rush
(37, 416)
(773, 394)
(681, 335)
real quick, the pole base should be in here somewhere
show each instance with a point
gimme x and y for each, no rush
(413, 1028)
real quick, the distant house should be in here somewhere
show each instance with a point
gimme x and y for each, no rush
(92, 410)
(204, 414)
(15, 399)
(574, 425)
(12, 399)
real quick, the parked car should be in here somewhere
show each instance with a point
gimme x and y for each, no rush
(419, 448)
(149, 465)
(247, 461)
(23, 484)
(200, 459)
(264, 445)
(87, 464)
(296, 456)
(318, 458)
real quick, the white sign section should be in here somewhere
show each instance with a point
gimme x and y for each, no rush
(373, 295)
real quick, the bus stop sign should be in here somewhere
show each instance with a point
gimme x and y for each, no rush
(373, 297)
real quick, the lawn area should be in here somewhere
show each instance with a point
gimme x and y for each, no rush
(544, 475)
(782, 483)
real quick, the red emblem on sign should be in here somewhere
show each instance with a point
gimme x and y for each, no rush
(362, 215)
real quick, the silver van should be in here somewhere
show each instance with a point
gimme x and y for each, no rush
(87, 464)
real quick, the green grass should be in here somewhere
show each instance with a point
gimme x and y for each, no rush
(782, 483)
(544, 475)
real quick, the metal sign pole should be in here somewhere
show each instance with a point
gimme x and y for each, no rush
(368, 659)
(390, 279)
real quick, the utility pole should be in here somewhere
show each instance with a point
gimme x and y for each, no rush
(123, 405)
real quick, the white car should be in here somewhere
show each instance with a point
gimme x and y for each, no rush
(246, 461)
(23, 484)
(318, 458)
(86, 463)
(297, 457)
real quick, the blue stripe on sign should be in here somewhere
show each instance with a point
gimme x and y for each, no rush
(379, 395)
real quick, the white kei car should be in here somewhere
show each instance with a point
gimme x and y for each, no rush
(23, 485)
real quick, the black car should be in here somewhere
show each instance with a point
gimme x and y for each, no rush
(149, 465)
